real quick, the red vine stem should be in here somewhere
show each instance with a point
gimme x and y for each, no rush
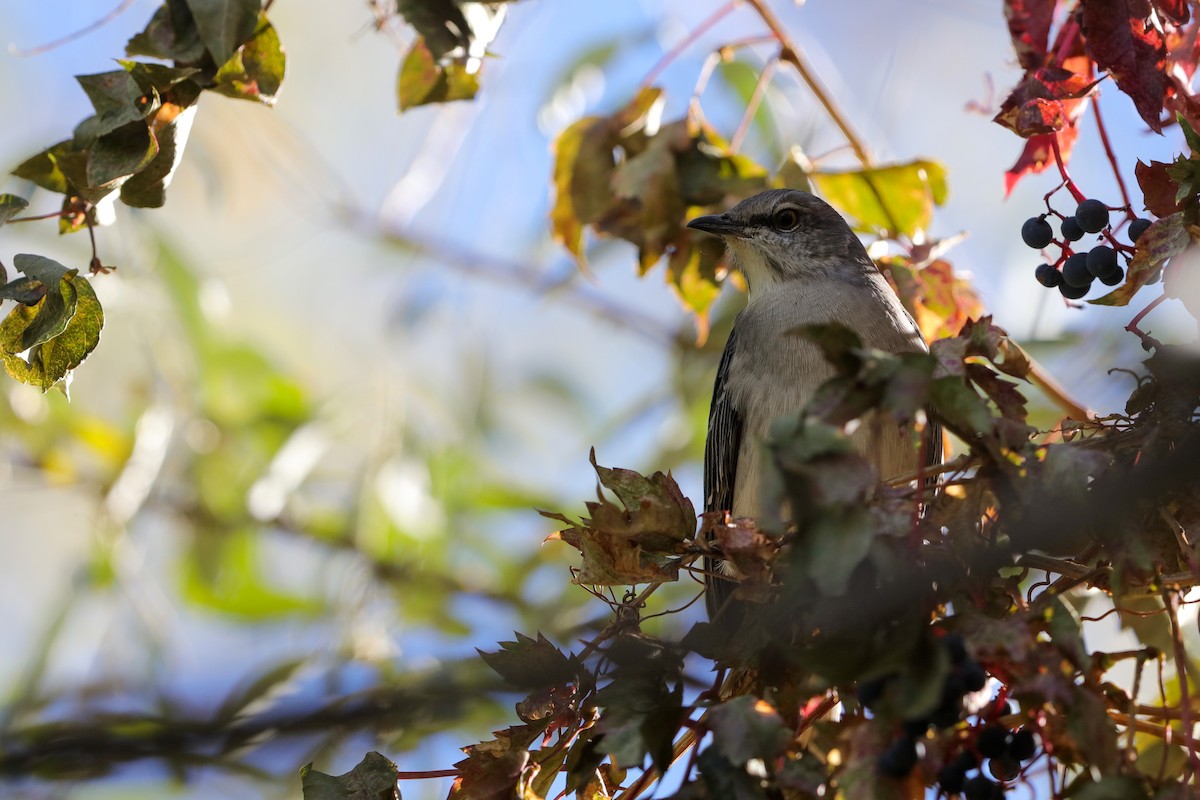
(1181, 669)
(1133, 328)
(687, 41)
(790, 53)
(51, 215)
(1062, 170)
(428, 773)
(1112, 159)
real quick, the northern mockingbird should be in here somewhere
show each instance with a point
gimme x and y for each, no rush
(802, 265)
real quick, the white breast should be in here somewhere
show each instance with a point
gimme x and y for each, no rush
(774, 373)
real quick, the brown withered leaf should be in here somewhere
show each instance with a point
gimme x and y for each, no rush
(1158, 189)
(638, 541)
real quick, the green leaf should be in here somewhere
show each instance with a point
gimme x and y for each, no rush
(225, 25)
(46, 270)
(532, 663)
(423, 80)
(119, 154)
(170, 35)
(897, 200)
(26, 291)
(233, 582)
(10, 206)
(439, 22)
(45, 168)
(254, 72)
(1189, 133)
(53, 314)
(373, 779)
(747, 727)
(49, 362)
(156, 77)
(148, 187)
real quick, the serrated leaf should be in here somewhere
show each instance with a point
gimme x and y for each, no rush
(10, 206)
(225, 25)
(747, 727)
(897, 199)
(374, 778)
(256, 70)
(531, 663)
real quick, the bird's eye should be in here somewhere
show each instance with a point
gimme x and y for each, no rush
(786, 219)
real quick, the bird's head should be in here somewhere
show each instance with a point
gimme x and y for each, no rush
(783, 235)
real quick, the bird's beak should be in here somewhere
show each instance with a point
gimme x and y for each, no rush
(717, 224)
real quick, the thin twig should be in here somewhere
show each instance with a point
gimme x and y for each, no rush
(791, 53)
(760, 89)
(70, 37)
(1181, 673)
(687, 41)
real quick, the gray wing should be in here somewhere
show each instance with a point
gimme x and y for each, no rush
(720, 468)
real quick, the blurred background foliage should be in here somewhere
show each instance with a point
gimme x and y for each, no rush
(295, 486)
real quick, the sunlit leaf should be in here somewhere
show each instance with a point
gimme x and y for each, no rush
(897, 200)
(424, 80)
(256, 70)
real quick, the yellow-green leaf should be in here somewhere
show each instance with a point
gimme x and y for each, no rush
(896, 200)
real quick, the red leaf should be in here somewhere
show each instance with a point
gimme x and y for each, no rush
(1175, 10)
(1039, 154)
(1122, 39)
(1035, 106)
(1157, 188)
(1029, 26)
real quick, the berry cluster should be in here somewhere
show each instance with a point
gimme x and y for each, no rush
(1004, 750)
(1075, 270)
(966, 675)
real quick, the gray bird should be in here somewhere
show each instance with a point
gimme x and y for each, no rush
(803, 265)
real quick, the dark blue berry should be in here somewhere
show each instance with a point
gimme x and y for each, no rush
(1047, 276)
(1137, 228)
(992, 741)
(1092, 216)
(1075, 272)
(899, 759)
(950, 778)
(869, 692)
(1073, 292)
(1037, 233)
(974, 678)
(954, 644)
(1113, 279)
(1023, 745)
(1004, 768)
(1102, 261)
(980, 788)
(1070, 229)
